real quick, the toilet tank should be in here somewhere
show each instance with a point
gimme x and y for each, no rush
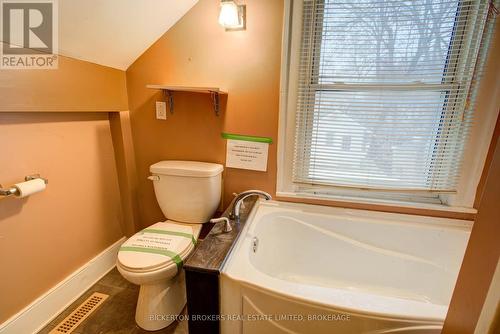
(187, 191)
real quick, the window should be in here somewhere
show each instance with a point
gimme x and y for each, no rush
(380, 96)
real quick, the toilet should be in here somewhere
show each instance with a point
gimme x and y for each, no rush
(188, 193)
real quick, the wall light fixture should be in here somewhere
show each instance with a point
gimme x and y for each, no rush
(232, 16)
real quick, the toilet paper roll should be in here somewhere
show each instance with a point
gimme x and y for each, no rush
(29, 187)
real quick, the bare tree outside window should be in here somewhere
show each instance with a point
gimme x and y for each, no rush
(383, 74)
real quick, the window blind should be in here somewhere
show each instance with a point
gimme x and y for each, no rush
(385, 97)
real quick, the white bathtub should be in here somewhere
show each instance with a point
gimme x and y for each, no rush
(320, 270)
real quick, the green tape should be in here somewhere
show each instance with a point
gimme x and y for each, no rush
(175, 257)
(247, 138)
(180, 234)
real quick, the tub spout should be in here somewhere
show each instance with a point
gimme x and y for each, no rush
(235, 212)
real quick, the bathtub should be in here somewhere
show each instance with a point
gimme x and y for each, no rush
(300, 268)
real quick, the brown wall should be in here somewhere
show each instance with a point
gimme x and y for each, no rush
(481, 258)
(123, 146)
(198, 52)
(75, 86)
(47, 236)
(195, 52)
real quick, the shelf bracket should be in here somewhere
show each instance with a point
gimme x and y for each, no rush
(170, 98)
(168, 91)
(215, 102)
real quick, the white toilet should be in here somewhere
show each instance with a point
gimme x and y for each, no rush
(188, 193)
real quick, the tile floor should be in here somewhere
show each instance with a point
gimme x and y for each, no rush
(116, 314)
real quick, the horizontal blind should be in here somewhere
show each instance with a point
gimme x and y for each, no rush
(384, 98)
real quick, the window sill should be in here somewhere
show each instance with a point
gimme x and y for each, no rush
(426, 209)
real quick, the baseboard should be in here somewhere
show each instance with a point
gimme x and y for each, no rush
(39, 313)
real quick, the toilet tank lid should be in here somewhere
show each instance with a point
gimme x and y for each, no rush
(186, 168)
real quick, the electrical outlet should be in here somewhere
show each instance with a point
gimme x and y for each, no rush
(161, 110)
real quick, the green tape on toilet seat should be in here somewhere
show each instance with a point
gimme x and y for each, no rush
(180, 234)
(174, 256)
(139, 248)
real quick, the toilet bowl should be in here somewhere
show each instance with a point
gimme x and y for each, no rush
(188, 194)
(153, 259)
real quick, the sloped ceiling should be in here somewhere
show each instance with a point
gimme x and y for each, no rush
(115, 32)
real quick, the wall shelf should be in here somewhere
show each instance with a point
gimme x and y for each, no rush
(214, 92)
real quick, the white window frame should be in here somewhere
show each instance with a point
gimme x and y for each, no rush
(475, 151)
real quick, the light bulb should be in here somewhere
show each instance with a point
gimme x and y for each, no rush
(229, 15)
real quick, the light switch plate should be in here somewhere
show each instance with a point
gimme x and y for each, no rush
(161, 110)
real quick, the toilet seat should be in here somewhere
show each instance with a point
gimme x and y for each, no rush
(158, 246)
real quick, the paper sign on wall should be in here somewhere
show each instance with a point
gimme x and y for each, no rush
(247, 152)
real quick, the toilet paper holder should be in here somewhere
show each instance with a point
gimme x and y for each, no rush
(13, 190)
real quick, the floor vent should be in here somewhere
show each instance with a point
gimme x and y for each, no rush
(76, 317)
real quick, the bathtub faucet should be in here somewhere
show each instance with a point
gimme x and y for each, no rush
(235, 212)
